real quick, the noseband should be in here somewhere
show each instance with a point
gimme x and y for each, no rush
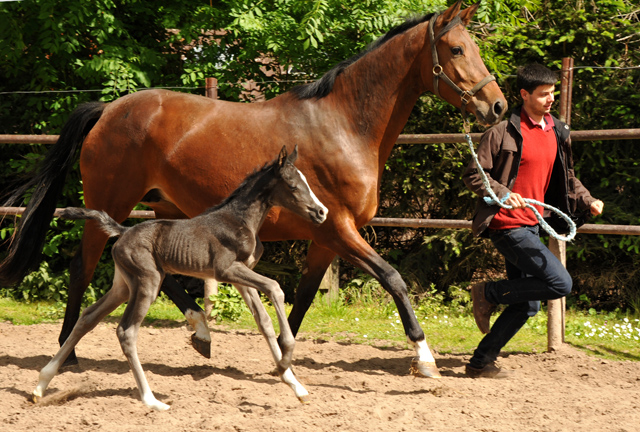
(438, 71)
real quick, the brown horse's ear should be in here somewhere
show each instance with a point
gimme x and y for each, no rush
(451, 13)
(468, 13)
(282, 157)
(293, 156)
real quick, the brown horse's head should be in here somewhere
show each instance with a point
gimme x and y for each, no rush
(457, 63)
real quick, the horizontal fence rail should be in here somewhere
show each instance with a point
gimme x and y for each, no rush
(587, 135)
(393, 222)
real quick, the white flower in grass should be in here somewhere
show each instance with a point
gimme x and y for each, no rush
(357, 319)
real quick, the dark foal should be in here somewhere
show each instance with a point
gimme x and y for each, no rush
(221, 243)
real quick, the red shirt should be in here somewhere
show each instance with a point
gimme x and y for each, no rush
(539, 149)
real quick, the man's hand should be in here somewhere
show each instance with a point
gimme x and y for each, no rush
(516, 201)
(596, 207)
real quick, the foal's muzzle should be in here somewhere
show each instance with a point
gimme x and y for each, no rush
(318, 214)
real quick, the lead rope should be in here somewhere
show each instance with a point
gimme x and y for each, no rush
(492, 199)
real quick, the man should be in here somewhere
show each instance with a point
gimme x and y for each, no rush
(527, 156)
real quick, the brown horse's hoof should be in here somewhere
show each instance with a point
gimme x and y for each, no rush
(35, 399)
(202, 346)
(424, 369)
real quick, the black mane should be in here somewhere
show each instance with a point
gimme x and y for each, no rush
(322, 87)
(252, 178)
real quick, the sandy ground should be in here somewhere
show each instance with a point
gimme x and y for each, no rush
(353, 388)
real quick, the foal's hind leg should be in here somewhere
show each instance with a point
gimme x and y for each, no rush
(144, 290)
(118, 294)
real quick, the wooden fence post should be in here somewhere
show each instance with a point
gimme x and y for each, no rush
(211, 87)
(556, 308)
(330, 284)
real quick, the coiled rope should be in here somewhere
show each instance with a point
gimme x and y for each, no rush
(492, 199)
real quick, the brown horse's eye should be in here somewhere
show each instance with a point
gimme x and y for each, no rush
(457, 51)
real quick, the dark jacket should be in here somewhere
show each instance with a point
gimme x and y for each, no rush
(499, 153)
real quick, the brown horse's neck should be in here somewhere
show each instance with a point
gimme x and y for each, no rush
(378, 92)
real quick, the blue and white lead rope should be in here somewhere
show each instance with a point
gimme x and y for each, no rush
(492, 199)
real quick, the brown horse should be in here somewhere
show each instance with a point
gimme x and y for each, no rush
(182, 153)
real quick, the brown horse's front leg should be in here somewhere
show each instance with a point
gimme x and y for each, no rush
(318, 261)
(352, 247)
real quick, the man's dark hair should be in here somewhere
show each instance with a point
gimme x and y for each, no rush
(533, 75)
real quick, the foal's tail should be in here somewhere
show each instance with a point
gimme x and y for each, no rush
(25, 250)
(106, 222)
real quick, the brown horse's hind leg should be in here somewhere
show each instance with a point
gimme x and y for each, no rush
(81, 271)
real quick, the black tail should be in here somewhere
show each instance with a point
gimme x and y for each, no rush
(25, 250)
(107, 224)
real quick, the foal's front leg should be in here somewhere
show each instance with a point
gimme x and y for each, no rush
(243, 278)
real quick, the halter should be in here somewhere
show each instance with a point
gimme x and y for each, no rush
(438, 71)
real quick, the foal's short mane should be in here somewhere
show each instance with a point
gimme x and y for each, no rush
(322, 87)
(252, 178)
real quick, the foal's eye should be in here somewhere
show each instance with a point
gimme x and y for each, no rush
(457, 51)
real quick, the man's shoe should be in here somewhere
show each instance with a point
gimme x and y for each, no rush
(490, 370)
(482, 308)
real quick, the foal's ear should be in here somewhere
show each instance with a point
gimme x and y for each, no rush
(293, 156)
(468, 13)
(282, 157)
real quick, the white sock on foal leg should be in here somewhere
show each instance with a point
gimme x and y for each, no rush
(289, 378)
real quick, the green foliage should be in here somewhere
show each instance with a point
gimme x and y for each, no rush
(228, 304)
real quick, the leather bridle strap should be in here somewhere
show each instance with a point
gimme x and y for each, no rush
(438, 71)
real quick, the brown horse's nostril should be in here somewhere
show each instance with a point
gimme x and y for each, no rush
(498, 108)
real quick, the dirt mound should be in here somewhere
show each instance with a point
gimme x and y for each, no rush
(353, 388)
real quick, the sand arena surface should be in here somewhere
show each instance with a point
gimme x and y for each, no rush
(353, 388)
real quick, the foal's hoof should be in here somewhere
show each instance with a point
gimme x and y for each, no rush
(424, 369)
(304, 399)
(202, 346)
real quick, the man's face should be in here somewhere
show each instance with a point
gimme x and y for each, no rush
(539, 102)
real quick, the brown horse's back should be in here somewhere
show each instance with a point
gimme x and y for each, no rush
(189, 150)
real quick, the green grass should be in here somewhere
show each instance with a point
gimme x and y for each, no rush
(613, 336)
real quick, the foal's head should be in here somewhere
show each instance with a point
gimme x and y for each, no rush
(293, 192)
